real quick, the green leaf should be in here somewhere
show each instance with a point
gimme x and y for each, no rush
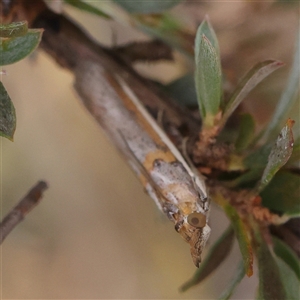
(15, 49)
(183, 90)
(241, 234)
(239, 275)
(216, 255)
(255, 163)
(279, 155)
(7, 115)
(270, 282)
(13, 30)
(246, 132)
(247, 84)
(208, 80)
(289, 280)
(206, 29)
(287, 99)
(147, 6)
(259, 158)
(283, 251)
(282, 194)
(88, 8)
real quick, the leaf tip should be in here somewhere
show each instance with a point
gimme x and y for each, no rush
(185, 287)
(9, 137)
(279, 63)
(206, 20)
(249, 270)
(248, 261)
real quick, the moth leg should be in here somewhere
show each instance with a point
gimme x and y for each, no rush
(170, 210)
(179, 225)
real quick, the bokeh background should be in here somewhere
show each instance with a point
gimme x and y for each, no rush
(96, 234)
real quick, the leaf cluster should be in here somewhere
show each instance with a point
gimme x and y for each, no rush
(264, 190)
(16, 42)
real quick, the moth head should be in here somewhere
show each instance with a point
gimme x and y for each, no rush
(195, 231)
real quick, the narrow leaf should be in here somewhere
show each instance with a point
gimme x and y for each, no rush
(287, 99)
(208, 80)
(217, 253)
(247, 84)
(283, 251)
(282, 194)
(270, 282)
(13, 30)
(255, 162)
(246, 132)
(15, 49)
(279, 155)
(147, 7)
(7, 114)
(88, 8)
(206, 29)
(258, 158)
(239, 275)
(241, 234)
(289, 280)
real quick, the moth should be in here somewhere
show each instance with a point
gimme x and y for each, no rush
(164, 173)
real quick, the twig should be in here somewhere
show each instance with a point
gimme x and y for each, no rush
(71, 46)
(145, 51)
(18, 213)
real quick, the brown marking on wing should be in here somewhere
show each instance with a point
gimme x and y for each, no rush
(159, 154)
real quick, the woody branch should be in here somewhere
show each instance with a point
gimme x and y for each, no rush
(18, 213)
(70, 46)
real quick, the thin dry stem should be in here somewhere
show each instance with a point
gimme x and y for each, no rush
(18, 213)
